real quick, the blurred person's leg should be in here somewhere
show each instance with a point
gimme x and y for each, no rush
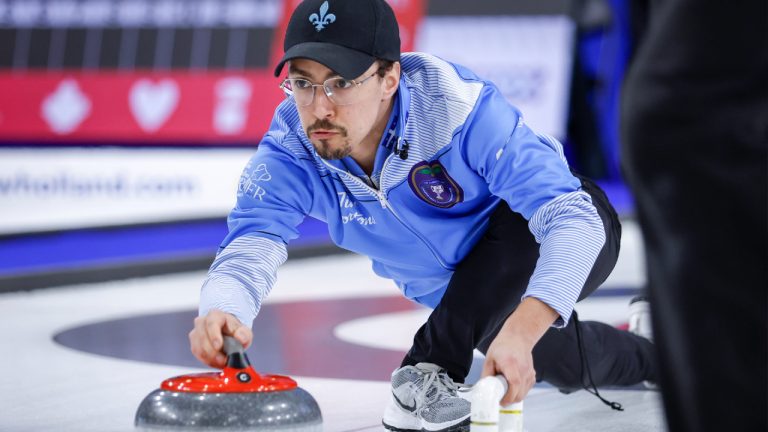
(695, 134)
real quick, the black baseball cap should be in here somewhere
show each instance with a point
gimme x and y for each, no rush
(346, 36)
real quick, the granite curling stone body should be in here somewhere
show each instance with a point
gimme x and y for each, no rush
(235, 399)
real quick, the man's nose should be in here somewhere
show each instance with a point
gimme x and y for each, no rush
(322, 106)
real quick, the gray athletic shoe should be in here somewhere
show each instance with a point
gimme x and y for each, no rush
(425, 398)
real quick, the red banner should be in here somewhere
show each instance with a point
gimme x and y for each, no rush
(148, 106)
(409, 14)
(140, 106)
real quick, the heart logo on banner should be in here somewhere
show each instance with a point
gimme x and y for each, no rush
(66, 107)
(152, 103)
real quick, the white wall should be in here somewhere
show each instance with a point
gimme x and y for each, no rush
(528, 57)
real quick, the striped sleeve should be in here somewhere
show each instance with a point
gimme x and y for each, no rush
(571, 236)
(241, 276)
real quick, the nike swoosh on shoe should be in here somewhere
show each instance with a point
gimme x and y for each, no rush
(409, 408)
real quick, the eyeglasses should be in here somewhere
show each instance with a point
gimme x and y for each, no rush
(340, 91)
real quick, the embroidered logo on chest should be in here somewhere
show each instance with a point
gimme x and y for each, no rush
(431, 183)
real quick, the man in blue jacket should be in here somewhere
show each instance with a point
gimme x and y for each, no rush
(425, 168)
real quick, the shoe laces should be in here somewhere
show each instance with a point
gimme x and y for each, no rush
(435, 385)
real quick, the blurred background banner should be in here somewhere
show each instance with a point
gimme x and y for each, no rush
(75, 188)
(190, 72)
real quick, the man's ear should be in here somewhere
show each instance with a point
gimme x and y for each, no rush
(392, 80)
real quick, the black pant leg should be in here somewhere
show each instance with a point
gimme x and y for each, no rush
(485, 288)
(484, 292)
(614, 357)
(695, 130)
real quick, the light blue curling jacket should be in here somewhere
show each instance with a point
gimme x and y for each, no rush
(415, 217)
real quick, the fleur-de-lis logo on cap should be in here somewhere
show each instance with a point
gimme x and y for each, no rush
(323, 20)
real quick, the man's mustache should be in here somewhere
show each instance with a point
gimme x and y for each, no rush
(326, 125)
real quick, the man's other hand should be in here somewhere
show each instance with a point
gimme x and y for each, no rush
(510, 352)
(511, 358)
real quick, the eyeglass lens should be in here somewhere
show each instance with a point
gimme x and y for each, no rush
(341, 91)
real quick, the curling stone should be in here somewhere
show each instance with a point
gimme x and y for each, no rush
(235, 399)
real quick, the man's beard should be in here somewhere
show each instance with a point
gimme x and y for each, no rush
(324, 149)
